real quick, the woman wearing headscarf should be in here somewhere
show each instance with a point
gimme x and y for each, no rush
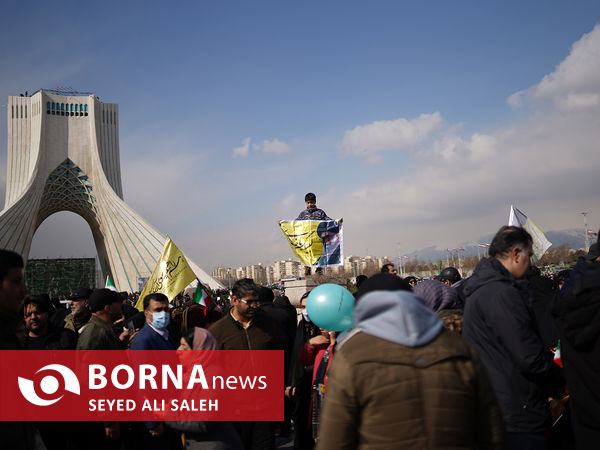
(205, 435)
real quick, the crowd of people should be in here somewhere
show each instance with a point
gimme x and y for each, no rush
(450, 362)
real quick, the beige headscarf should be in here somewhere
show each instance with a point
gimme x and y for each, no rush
(203, 340)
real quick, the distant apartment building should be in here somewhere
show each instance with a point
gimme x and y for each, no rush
(225, 275)
(286, 269)
(257, 272)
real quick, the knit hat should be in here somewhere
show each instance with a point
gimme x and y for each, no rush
(382, 282)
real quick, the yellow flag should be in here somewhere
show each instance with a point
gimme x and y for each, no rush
(170, 276)
(304, 240)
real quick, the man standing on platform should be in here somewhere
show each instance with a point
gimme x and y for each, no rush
(312, 212)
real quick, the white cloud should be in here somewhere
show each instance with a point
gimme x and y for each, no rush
(275, 146)
(385, 135)
(574, 84)
(461, 187)
(243, 150)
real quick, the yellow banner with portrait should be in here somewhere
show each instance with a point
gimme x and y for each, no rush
(315, 242)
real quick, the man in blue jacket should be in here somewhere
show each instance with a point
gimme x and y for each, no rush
(500, 324)
(155, 336)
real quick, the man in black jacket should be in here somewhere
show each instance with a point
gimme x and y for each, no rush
(499, 322)
(245, 327)
(577, 313)
(14, 435)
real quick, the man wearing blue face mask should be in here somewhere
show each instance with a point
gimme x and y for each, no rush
(155, 336)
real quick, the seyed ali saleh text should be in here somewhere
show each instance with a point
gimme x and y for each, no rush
(124, 377)
(154, 405)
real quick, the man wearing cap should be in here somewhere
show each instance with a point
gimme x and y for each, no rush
(80, 310)
(98, 334)
(105, 306)
(449, 276)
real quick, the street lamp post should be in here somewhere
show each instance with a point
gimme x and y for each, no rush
(587, 239)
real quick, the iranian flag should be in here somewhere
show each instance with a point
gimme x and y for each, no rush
(109, 284)
(557, 355)
(202, 296)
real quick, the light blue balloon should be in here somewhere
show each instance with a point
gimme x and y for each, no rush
(329, 306)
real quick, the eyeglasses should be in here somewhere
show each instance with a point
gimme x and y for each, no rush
(249, 302)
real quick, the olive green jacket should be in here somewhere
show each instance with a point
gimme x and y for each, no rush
(384, 395)
(98, 335)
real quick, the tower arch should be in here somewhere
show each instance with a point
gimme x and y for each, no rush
(70, 162)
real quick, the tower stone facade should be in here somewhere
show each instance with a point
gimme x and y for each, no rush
(63, 155)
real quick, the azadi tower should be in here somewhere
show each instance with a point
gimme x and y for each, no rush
(63, 155)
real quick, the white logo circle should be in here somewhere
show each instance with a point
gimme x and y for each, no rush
(49, 385)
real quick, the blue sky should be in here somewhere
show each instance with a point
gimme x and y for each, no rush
(418, 122)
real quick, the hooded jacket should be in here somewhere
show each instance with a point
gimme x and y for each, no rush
(399, 380)
(500, 324)
(578, 317)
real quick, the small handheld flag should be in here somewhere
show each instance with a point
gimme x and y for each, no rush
(109, 284)
(202, 296)
(557, 355)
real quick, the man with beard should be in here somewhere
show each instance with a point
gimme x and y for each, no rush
(245, 328)
(80, 310)
(41, 335)
(98, 334)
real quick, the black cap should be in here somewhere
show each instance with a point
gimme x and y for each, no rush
(102, 297)
(382, 282)
(80, 292)
(450, 274)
